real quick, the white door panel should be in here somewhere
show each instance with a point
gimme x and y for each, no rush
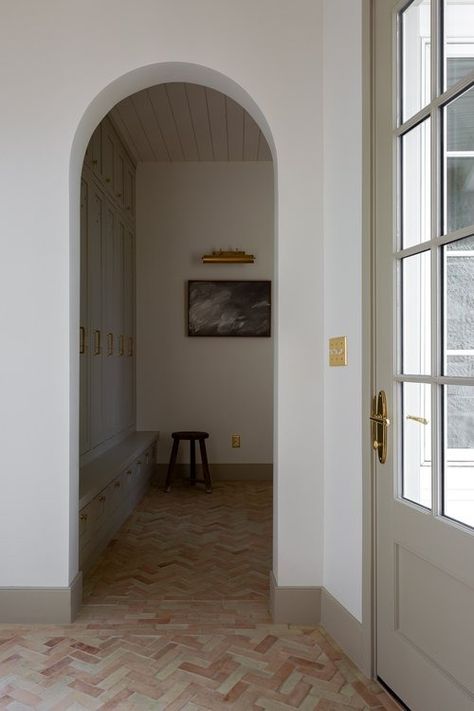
(423, 201)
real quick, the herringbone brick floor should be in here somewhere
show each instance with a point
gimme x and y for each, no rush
(175, 617)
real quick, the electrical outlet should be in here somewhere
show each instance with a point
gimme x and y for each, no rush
(235, 441)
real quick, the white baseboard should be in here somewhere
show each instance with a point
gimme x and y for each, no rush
(294, 605)
(314, 606)
(54, 606)
(343, 627)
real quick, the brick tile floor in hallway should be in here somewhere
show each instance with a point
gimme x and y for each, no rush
(175, 617)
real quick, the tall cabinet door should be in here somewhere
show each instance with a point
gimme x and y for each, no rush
(108, 156)
(109, 384)
(96, 336)
(83, 335)
(119, 323)
(129, 300)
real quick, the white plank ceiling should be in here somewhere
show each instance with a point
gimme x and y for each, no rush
(188, 122)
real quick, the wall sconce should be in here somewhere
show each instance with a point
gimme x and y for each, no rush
(234, 256)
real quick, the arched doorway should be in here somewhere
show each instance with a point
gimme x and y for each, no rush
(95, 113)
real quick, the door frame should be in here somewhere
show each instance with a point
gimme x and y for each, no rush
(369, 483)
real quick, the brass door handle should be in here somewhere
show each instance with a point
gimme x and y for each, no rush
(381, 420)
(417, 418)
(380, 423)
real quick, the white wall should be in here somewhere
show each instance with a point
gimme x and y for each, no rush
(222, 385)
(343, 301)
(62, 67)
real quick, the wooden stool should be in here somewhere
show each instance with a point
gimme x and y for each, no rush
(192, 437)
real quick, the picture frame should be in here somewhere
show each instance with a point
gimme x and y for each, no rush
(229, 308)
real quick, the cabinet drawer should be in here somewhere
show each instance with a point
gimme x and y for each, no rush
(89, 521)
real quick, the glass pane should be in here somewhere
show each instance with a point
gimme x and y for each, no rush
(459, 308)
(416, 45)
(416, 201)
(459, 453)
(416, 474)
(416, 314)
(459, 208)
(457, 68)
(459, 40)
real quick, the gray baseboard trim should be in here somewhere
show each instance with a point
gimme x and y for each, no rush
(221, 472)
(48, 606)
(343, 627)
(295, 605)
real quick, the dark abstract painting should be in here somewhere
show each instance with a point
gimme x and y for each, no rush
(229, 308)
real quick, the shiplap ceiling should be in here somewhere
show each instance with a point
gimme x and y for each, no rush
(188, 122)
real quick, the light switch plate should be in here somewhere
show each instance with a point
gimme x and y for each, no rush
(338, 351)
(235, 441)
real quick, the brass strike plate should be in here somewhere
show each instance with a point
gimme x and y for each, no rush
(338, 351)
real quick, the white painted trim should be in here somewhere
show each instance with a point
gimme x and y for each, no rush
(343, 627)
(295, 605)
(368, 642)
(48, 606)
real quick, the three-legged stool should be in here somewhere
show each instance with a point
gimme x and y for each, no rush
(192, 437)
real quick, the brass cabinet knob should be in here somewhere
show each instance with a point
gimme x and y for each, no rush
(83, 517)
(102, 499)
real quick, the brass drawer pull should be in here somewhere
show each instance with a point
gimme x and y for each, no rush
(82, 340)
(121, 344)
(110, 344)
(97, 345)
(130, 346)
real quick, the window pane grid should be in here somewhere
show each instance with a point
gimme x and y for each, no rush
(433, 468)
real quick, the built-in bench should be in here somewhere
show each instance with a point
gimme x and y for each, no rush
(110, 487)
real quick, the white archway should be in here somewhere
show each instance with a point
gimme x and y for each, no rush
(117, 90)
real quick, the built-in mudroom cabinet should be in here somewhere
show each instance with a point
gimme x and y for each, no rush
(116, 461)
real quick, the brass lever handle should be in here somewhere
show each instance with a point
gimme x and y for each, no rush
(380, 420)
(417, 418)
(380, 423)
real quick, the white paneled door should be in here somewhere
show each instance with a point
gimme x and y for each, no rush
(424, 304)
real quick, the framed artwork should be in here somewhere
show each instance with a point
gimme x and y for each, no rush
(229, 308)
